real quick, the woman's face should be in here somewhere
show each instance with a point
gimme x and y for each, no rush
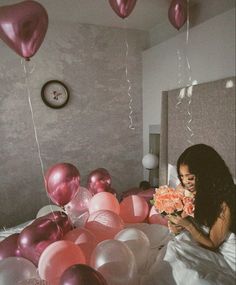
(187, 178)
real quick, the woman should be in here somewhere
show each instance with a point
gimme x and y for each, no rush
(202, 170)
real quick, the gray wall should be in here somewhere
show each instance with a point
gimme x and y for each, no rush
(212, 109)
(91, 131)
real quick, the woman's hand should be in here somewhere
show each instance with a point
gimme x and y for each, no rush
(174, 229)
(179, 221)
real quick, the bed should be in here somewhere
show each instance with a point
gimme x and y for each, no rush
(177, 260)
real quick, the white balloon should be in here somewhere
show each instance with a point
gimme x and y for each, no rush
(16, 269)
(150, 161)
(138, 243)
(48, 209)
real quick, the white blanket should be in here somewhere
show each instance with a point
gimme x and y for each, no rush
(183, 262)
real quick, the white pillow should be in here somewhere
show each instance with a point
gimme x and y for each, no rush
(173, 180)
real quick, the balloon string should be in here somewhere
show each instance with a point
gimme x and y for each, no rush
(187, 33)
(27, 72)
(131, 125)
(182, 91)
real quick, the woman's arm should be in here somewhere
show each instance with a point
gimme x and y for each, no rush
(217, 233)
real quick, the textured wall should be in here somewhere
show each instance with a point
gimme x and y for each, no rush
(91, 131)
(212, 109)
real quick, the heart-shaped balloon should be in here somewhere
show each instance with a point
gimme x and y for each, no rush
(23, 27)
(122, 8)
(177, 13)
(37, 236)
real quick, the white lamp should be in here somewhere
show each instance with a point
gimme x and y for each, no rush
(150, 161)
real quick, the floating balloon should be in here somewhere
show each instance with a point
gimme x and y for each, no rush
(99, 180)
(9, 247)
(115, 261)
(104, 224)
(15, 269)
(47, 210)
(86, 240)
(104, 201)
(37, 236)
(56, 258)
(62, 183)
(122, 8)
(81, 274)
(133, 209)
(23, 27)
(156, 218)
(138, 243)
(177, 13)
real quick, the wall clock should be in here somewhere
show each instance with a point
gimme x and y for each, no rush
(55, 94)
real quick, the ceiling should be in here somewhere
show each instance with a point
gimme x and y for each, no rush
(145, 15)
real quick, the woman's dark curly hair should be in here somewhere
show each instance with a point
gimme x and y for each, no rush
(213, 183)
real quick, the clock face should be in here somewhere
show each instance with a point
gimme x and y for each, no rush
(55, 94)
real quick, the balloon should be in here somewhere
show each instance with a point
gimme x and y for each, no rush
(138, 243)
(155, 218)
(62, 183)
(104, 224)
(122, 8)
(37, 236)
(9, 247)
(115, 261)
(177, 13)
(133, 209)
(99, 180)
(23, 27)
(79, 204)
(86, 240)
(81, 274)
(104, 201)
(56, 258)
(15, 269)
(48, 209)
(61, 219)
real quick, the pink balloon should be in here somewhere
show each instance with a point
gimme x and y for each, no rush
(81, 274)
(104, 201)
(104, 224)
(62, 183)
(56, 258)
(155, 218)
(99, 180)
(177, 13)
(37, 236)
(86, 240)
(122, 8)
(9, 247)
(133, 209)
(23, 27)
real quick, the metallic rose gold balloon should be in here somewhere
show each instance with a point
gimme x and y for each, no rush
(9, 247)
(99, 180)
(81, 274)
(37, 236)
(62, 182)
(122, 8)
(23, 27)
(177, 13)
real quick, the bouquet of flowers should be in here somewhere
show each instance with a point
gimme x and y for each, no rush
(170, 201)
